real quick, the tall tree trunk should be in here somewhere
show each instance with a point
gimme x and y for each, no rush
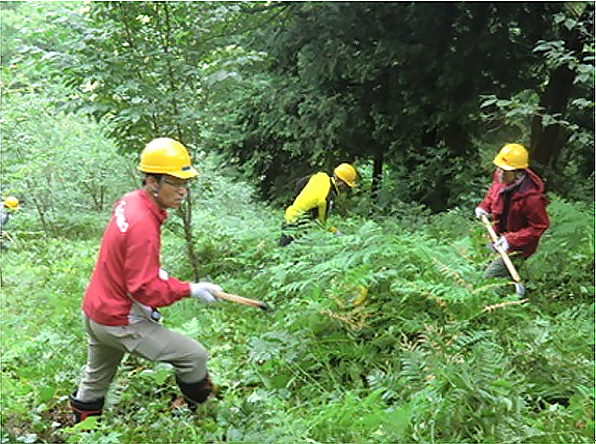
(185, 212)
(186, 209)
(547, 141)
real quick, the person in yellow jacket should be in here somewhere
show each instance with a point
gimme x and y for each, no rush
(315, 201)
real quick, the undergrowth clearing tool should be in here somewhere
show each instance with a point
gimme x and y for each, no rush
(519, 288)
(241, 300)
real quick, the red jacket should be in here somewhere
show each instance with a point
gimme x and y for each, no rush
(526, 218)
(128, 264)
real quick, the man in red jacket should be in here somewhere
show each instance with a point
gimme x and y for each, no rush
(120, 305)
(516, 205)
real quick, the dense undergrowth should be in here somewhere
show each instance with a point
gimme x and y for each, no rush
(386, 334)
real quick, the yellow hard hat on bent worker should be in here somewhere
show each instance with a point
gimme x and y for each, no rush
(512, 156)
(347, 173)
(12, 203)
(167, 156)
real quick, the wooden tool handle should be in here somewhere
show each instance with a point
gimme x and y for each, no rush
(241, 300)
(503, 254)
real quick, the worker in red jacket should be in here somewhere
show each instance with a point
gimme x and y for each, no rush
(517, 206)
(127, 287)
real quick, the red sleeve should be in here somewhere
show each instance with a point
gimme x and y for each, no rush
(489, 199)
(141, 268)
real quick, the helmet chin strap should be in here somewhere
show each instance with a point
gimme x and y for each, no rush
(155, 186)
(339, 184)
(334, 180)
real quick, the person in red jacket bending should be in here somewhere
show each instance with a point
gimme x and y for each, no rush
(127, 287)
(517, 206)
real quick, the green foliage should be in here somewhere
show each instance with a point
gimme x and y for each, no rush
(430, 346)
(393, 93)
(310, 89)
(33, 33)
(516, 111)
(45, 153)
(148, 70)
(567, 52)
(385, 334)
(51, 161)
(568, 247)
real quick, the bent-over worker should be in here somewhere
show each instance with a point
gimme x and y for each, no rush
(315, 201)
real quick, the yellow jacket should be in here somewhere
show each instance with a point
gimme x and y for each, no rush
(316, 197)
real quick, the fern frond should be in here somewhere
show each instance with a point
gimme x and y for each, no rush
(457, 277)
(355, 319)
(490, 286)
(490, 308)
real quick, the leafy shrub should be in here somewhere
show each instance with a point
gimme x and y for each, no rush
(61, 169)
(562, 269)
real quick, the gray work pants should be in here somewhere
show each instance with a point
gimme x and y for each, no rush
(497, 268)
(143, 337)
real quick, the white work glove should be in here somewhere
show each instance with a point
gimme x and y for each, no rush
(479, 212)
(163, 274)
(502, 244)
(202, 291)
(334, 230)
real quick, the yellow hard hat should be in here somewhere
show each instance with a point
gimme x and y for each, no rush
(11, 202)
(512, 156)
(346, 173)
(167, 156)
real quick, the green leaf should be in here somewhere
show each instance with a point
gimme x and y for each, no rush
(46, 393)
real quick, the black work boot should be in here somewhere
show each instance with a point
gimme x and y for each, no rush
(83, 409)
(197, 392)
